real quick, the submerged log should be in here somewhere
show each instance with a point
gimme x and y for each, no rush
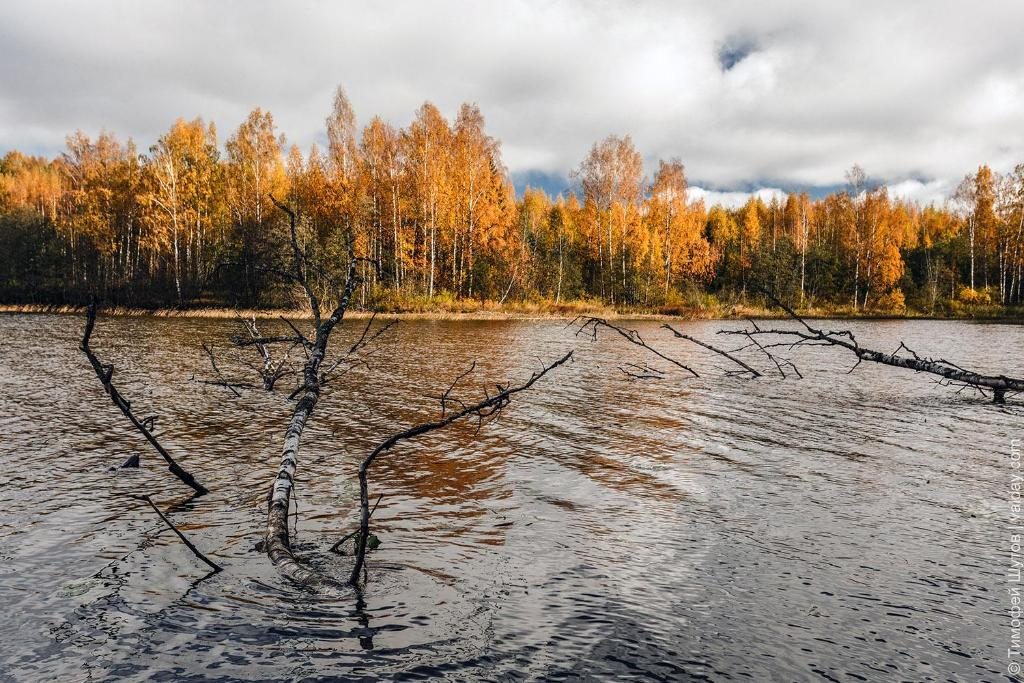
(999, 385)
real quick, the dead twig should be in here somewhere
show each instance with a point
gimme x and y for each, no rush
(644, 371)
(444, 398)
(223, 380)
(364, 341)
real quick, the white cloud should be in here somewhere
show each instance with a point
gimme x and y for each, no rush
(734, 200)
(924, 193)
(917, 89)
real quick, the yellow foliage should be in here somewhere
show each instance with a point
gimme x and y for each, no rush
(974, 297)
(892, 302)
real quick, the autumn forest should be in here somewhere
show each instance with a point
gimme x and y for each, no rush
(435, 221)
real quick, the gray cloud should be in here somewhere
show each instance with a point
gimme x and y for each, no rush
(779, 96)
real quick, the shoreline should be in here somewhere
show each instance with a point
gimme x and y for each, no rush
(738, 312)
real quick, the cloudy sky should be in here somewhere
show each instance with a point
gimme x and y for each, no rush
(751, 96)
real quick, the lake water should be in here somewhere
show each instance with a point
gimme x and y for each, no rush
(839, 527)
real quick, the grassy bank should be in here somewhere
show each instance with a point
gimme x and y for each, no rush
(464, 311)
(442, 308)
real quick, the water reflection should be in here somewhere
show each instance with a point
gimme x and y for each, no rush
(840, 526)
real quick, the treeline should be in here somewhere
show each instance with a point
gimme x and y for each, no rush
(433, 215)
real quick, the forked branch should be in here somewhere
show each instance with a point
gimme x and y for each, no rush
(300, 262)
(483, 410)
(222, 381)
(269, 370)
(351, 359)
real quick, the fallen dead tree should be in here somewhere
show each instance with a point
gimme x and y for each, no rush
(105, 373)
(950, 372)
(314, 376)
(486, 409)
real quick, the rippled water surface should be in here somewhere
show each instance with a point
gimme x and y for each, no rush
(839, 527)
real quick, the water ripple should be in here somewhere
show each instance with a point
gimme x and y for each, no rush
(712, 528)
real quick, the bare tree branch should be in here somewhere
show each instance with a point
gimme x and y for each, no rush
(223, 380)
(270, 372)
(483, 410)
(104, 373)
(364, 341)
(632, 336)
(195, 551)
(336, 548)
(698, 342)
(300, 261)
(447, 392)
(779, 364)
(298, 334)
(645, 371)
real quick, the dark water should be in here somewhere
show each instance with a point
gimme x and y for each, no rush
(842, 527)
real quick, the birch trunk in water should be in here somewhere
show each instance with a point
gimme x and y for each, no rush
(277, 544)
